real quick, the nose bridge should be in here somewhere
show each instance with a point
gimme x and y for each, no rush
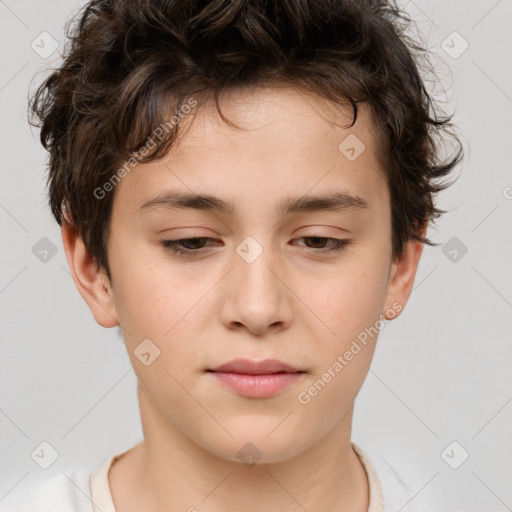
(254, 261)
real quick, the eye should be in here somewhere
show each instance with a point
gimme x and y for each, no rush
(176, 247)
(337, 245)
(195, 245)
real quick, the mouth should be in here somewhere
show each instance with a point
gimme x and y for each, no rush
(248, 367)
(256, 379)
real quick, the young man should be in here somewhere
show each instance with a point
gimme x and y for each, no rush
(244, 189)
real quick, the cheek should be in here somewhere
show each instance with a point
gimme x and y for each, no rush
(165, 307)
(348, 308)
(153, 307)
(349, 297)
(151, 297)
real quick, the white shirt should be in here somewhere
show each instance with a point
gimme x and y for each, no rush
(80, 491)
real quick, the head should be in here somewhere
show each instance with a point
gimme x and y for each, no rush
(265, 132)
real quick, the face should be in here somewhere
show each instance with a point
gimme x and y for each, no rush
(295, 266)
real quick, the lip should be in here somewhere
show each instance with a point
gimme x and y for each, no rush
(248, 367)
(256, 379)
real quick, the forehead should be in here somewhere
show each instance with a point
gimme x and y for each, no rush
(287, 143)
(278, 116)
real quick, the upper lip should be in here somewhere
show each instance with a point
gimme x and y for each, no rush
(255, 367)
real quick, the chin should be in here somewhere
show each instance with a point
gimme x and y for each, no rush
(254, 445)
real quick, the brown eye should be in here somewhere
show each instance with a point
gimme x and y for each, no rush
(337, 245)
(182, 245)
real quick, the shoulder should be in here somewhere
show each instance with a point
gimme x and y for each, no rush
(61, 492)
(393, 490)
(396, 492)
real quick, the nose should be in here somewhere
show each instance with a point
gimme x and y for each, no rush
(255, 295)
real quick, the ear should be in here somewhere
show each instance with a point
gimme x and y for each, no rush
(92, 284)
(402, 274)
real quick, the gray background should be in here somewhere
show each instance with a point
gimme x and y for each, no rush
(441, 372)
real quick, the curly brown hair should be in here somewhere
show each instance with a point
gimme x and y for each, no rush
(129, 64)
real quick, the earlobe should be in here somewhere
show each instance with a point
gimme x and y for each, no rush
(92, 283)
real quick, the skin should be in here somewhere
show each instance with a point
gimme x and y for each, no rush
(293, 304)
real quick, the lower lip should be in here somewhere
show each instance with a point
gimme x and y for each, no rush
(257, 386)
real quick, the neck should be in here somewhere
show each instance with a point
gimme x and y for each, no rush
(169, 471)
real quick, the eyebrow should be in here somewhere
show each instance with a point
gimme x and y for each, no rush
(207, 202)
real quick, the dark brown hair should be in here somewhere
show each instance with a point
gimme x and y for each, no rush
(130, 64)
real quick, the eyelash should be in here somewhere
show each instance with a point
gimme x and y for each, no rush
(173, 246)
